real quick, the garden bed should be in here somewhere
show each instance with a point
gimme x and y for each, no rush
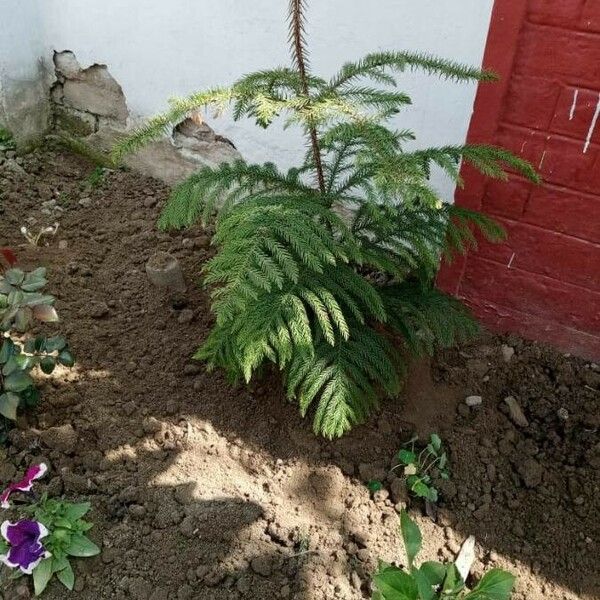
(203, 490)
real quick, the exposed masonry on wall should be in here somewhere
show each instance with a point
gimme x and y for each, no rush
(90, 103)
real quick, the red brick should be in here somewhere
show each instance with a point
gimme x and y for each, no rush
(527, 144)
(506, 199)
(548, 299)
(567, 339)
(531, 102)
(574, 113)
(535, 250)
(564, 163)
(590, 18)
(556, 12)
(554, 53)
(565, 212)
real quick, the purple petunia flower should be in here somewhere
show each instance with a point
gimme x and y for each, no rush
(26, 549)
(25, 485)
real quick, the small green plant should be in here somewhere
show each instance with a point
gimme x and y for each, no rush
(21, 302)
(96, 178)
(7, 141)
(418, 467)
(434, 580)
(48, 533)
(320, 269)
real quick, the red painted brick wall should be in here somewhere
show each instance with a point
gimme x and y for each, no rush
(544, 282)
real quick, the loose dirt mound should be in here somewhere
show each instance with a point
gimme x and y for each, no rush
(202, 490)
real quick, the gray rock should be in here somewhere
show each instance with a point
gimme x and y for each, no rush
(531, 472)
(507, 352)
(473, 401)
(515, 412)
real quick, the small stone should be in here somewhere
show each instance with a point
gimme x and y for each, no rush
(472, 401)
(149, 202)
(531, 472)
(563, 414)
(63, 438)
(398, 490)
(63, 245)
(85, 202)
(185, 316)
(97, 310)
(261, 565)
(380, 496)
(151, 425)
(191, 369)
(515, 412)
(137, 511)
(507, 352)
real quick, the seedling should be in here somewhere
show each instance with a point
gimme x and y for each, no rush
(35, 238)
(434, 580)
(418, 467)
(96, 178)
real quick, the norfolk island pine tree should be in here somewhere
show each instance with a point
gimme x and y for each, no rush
(322, 269)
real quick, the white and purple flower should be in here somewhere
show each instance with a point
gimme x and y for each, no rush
(25, 485)
(26, 550)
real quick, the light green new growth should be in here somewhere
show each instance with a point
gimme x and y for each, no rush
(325, 269)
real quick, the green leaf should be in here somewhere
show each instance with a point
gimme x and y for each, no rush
(67, 577)
(407, 457)
(55, 343)
(419, 488)
(395, 584)
(494, 585)
(436, 442)
(82, 547)
(411, 536)
(66, 358)
(18, 381)
(47, 364)
(9, 403)
(435, 572)
(7, 350)
(453, 582)
(74, 512)
(426, 591)
(433, 495)
(42, 575)
(14, 276)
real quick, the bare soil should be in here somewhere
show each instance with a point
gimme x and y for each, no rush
(203, 490)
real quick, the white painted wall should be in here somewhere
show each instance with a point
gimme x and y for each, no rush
(160, 48)
(22, 92)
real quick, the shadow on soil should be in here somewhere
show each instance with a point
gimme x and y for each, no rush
(153, 424)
